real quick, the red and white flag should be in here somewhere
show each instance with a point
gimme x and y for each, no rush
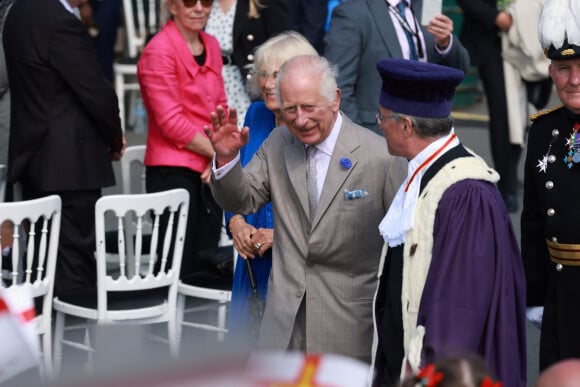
(20, 347)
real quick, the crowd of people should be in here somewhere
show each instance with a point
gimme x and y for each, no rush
(364, 224)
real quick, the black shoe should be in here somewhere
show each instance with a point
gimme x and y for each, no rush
(511, 202)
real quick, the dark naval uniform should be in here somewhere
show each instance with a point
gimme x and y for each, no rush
(551, 232)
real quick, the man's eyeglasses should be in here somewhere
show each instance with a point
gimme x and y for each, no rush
(380, 118)
(192, 3)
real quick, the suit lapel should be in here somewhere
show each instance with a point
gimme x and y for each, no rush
(240, 17)
(295, 159)
(336, 176)
(381, 17)
(181, 49)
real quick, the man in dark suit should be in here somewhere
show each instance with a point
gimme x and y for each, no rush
(308, 17)
(362, 32)
(65, 125)
(481, 27)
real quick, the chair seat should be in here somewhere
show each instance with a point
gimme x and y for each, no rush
(87, 298)
(208, 279)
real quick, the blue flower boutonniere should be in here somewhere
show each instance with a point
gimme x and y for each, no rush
(345, 163)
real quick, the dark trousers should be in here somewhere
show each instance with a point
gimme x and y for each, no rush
(75, 266)
(505, 155)
(389, 320)
(204, 217)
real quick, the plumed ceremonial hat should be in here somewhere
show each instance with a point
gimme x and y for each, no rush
(417, 88)
(559, 29)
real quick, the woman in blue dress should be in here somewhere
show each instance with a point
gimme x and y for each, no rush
(253, 234)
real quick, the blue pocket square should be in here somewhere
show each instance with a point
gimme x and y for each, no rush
(355, 194)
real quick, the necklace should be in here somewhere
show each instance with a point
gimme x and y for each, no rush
(573, 144)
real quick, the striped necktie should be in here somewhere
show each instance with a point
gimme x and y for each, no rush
(412, 49)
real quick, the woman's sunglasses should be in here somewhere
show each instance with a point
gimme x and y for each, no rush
(192, 3)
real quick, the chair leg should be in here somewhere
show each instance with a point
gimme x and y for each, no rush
(172, 338)
(47, 355)
(222, 314)
(90, 354)
(180, 311)
(58, 337)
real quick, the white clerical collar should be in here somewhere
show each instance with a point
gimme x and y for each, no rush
(399, 217)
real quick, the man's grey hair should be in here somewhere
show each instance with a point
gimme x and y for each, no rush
(318, 65)
(428, 127)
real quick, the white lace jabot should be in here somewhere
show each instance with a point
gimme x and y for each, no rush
(399, 217)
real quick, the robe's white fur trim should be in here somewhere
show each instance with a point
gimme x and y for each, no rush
(416, 266)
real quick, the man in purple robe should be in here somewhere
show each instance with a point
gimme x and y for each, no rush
(453, 260)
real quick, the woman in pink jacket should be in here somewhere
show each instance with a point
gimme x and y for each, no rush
(180, 74)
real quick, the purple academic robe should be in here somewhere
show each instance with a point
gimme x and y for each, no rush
(474, 294)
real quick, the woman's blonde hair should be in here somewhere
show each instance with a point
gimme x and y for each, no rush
(278, 49)
(254, 12)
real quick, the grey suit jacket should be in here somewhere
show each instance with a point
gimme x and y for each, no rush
(333, 264)
(362, 33)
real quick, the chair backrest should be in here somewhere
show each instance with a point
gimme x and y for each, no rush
(133, 155)
(141, 22)
(138, 270)
(36, 225)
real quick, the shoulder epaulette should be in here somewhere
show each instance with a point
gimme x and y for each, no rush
(541, 113)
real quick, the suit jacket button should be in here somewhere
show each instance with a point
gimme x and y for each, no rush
(250, 58)
(413, 249)
(250, 38)
(299, 294)
(559, 267)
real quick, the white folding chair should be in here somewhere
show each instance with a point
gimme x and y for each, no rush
(144, 295)
(134, 154)
(141, 21)
(34, 250)
(209, 293)
(132, 161)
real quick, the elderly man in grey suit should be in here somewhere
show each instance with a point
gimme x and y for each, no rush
(362, 32)
(326, 249)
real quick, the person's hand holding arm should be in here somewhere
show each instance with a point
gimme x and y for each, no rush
(224, 135)
(503, 21)
(202, 146)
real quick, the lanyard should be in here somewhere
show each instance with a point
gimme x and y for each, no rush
(407, 27)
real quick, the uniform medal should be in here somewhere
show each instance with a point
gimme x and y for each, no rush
(573, 144)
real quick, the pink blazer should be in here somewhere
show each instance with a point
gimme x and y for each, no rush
(178, 95)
